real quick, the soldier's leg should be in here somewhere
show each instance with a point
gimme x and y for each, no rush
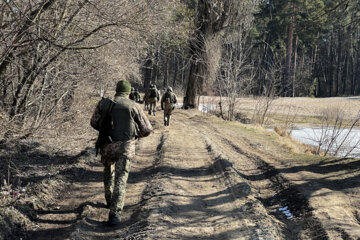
(122, 169)
(168, 120)
(168, 114)
(109, 175)
(150, 108)
(154, 108)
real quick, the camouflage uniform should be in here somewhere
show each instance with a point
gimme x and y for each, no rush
(134, 95)
(117, 156)
(168, 101)
(153, 100)
(146, 101)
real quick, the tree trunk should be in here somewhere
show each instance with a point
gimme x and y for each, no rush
(352, 75)
(166, 70)
(147, 73)
(294, 70)
(289, 49)
(191, 90)
(345, 74)
(339, 59)
(175, 62)
(210, 19)
(331, 70)
(357, 67)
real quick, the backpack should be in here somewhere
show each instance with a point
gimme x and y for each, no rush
(152, 93)
(104, 123)
(168, 98)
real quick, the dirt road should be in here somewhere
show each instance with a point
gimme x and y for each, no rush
(203, 178)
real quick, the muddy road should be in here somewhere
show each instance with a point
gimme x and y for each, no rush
(203, 178)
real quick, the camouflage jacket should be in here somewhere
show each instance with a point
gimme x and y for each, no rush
(143, 127)
(168, 97)
(157, 94)
(135, 96)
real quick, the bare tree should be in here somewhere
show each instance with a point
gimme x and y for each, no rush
(49, 48)
(212, 18)
(236, 70)
(271, 90)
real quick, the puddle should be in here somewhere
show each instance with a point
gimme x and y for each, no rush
(345, 140)
(285, 210)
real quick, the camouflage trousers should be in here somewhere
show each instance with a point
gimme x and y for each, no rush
(168, 108)
(117, 158)
(146, 105)
(152, 105)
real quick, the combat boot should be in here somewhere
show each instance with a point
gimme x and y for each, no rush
(113, 220)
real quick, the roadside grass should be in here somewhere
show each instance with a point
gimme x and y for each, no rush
(281, 147)
(258, 134)
(278, 119)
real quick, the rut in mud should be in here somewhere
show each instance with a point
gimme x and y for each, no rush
(192, 180)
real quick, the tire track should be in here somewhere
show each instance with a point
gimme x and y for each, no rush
(140, 223)
(284, 193)
(251, 208)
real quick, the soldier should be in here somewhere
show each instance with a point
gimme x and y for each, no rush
(154, 97)
(127, 122)
(168, 101)
(134, 95)
(146, 101)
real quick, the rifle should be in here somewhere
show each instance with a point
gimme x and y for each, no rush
(104, 124)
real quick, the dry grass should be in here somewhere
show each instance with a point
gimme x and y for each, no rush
(306, 110)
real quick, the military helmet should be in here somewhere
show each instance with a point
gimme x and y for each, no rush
(132, 89)
(169, 89)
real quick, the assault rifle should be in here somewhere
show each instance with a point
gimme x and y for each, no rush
(104, 123)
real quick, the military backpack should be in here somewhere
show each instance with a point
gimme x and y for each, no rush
(152, 93)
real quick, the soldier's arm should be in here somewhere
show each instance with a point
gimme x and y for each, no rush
(175, 99)
(145, 127)
(95, 119)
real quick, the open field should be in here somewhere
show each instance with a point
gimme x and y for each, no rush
(301, 110)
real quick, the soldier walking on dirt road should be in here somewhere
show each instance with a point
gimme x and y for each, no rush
(153, 96)
(168, 101)
(120, 123)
